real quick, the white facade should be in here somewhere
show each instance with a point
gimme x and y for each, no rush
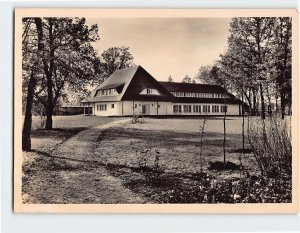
(134, 91)
(153, 108)
(106, 109)
(146, 108)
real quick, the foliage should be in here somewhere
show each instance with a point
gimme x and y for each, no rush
(209, 75)
(115, 58)
(149, 164)
(188, 79)
(270, 141)
(67, 60)
(257, 62)
(245, 190)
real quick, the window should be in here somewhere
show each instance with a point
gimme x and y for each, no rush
(101, 107)
(135, 106)
(177, 108)
(206, 108)
(112, 106)
(223, 108)
(149, 91)
(196, 108)
(215, 108)
(187, 108)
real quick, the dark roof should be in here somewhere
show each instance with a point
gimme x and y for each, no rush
(129, 83)
(110, 86)
(143, 80)
(207, 100)
(193, 87)
(120, 78)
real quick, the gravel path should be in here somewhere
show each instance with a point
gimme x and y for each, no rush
(75, 176)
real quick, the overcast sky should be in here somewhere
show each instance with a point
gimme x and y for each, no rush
(164, 47)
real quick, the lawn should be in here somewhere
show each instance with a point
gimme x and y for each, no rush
(157, 161)
(64, 127)
(74, 121)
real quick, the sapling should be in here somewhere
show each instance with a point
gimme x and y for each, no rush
(202, 127)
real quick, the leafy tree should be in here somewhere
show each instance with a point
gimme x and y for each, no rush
(250, 52)
(282, 54)
(204, 75)
(188, 79)
(115, 58)
(67, 58)
(30, 72)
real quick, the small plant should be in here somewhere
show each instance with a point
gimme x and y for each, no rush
(156, 160)
(143, 157)
(202, 128)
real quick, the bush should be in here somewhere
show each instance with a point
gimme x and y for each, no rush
(271, 144)
(244, 190)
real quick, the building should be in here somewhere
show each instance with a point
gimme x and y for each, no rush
(134, 91)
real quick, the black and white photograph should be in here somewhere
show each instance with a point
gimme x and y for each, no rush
(156, 111)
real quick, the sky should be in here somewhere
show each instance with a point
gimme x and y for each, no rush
(166, 46)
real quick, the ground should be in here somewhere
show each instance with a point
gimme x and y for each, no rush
(90, 159)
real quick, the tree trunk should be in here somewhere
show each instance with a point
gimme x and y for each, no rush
(26, 139)
(263, 115)
(49, 106)
(49, 121)
(49, 75)
(282, 107)
(254, 103)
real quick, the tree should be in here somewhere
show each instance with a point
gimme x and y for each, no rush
(115, 58)
(170, 79)
(282, 54)
(67, 58)
(188, 79)
(204, 75)
(30, 67)
(250, 52)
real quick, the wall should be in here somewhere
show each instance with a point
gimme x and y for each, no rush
(165, 108)
(109, 110)
(126, 108)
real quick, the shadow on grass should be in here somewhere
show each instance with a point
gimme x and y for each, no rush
(56, 132)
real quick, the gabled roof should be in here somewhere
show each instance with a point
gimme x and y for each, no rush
(129, 84)
(193, 87)
(143, 80)
(118, 79)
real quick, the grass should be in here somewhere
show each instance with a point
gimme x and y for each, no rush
(107, 168)
(74, 121)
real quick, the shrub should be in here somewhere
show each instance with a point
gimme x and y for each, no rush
(270, 142)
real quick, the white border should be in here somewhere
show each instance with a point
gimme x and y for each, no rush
(114, 223)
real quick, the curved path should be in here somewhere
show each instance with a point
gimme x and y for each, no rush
(82, 179)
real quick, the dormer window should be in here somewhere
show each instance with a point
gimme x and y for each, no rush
(149, 91)
(106, 92)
